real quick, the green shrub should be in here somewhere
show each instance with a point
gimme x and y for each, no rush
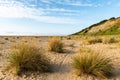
(93, 64)
(55, 45)
(27, 57)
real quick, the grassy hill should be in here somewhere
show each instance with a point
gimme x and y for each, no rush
(105, 27)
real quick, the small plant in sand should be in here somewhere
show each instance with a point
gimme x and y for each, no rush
(55, 45)
(72, 45)
(6, 38)
(110, 40)
(17, 37)
(93, 41)
(12, 40)
(84, 50)
(27, 57)
(36, 36)
(68, 38)
(93, 64)
(1, 42)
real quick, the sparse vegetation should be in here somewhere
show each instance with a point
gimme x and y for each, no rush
(68, 38)
(95, 40)
(84, 50)
(27, 57)
(12, 40)
(91, 63)
(55, 45)
(71, 45)
(105, 27)
(36, 36)
(17, 37)
(1, 42)
(6, 38)
(110, 40)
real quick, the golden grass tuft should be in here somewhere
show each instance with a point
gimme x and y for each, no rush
(27, 57)
(110, 40)
(94, 41)
(2, 42)
(6, 38)
(91, 63)
(55, 45)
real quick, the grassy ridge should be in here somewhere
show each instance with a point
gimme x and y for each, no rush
(113, 29)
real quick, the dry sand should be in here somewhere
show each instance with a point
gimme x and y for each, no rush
(61, 62)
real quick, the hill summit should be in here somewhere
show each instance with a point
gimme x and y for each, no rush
(105, 27)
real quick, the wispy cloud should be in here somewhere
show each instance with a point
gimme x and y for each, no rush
(61, 10)
(79, 3)
(46, 1)
(74, 3)
(48, 19)
(15, 9)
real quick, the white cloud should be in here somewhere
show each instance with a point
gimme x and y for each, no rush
(81, 4)
(18, 12)
(16, 9)
(61, 10)
(48, 19)
(74, 3)
(46, 1)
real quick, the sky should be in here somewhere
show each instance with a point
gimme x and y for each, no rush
(53, 17)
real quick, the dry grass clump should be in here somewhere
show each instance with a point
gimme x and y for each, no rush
(6, 38)
(72, 45)
(1, 42)
(12, 40)
(95, 40)
(55, 45)
(93, 64)
(110, 40)
(27, 57)
(68, 37)
(84, 50)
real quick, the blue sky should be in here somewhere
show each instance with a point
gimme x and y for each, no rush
(53, 17)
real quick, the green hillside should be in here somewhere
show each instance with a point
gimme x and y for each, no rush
(105, 27)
